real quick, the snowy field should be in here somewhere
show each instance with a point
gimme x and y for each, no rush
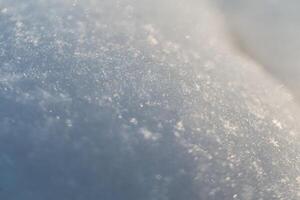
(138, 100)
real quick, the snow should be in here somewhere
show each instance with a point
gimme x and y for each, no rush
(138, 100)
(268, 32)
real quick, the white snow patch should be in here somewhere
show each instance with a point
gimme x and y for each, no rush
(134, 121)
(148, 135)
(277, 123)
(152, 40)
(179, 126)
(274, 142)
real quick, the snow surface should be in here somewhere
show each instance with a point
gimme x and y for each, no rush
(137, 100)
(268, 31)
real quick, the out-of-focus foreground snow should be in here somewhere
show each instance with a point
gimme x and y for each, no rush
(137, 100)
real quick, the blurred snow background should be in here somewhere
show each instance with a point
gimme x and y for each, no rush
(268, 31)
(137, 99)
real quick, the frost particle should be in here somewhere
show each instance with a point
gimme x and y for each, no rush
(179, 126)
(152, 40)
(134, 121)
(148, 135)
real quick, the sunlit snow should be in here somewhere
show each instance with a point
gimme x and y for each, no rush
(138, 100)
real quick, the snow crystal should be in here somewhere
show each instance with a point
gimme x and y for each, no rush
(148, 135)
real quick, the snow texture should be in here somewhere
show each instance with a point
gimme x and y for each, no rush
(137, 100)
